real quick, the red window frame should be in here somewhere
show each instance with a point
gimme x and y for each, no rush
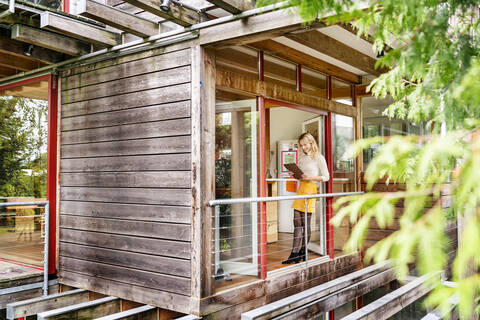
(261, 107)
(51, 159)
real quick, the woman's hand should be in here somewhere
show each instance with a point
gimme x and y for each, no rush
(311, 178)
(306, 177)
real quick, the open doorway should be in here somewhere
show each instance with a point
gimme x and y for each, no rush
(284, 123)
(248, 164)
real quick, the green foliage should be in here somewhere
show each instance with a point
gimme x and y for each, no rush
(22, 139)
(432, 54)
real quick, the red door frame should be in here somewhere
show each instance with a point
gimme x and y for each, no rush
(51, 158)
(261, 102)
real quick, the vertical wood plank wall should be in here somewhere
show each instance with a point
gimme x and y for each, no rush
(125, 182)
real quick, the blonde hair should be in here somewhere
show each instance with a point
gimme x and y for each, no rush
(310, 139)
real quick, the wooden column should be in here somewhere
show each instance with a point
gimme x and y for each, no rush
(203, 173)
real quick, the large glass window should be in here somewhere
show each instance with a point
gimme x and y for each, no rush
(23, 171)
(375, 123)
(343, 135)
(236, 234)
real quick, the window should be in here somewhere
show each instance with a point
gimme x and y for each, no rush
(375, 123)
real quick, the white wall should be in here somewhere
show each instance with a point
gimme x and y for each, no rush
(285, 124)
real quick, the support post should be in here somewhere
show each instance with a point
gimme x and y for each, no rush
(52, 171)
(329, 200)
(261, 66)
(45, 248)
(299, 77)
(262, 181)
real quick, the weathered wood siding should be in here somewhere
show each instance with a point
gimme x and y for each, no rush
(375, 233)
(125, 178)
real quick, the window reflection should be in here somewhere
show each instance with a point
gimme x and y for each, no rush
(375, 123)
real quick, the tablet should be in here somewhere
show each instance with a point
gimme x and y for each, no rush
(297, 172)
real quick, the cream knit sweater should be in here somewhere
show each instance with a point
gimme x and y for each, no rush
(314, 167)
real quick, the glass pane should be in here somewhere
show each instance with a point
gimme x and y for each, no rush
(343, 170)
(52, 4)
(375, 123)
(23, 136)
(236, 249)
(21, 232)
(341, 92)
(343, 310)
(280, 72)
(314, 83)
(237, 59)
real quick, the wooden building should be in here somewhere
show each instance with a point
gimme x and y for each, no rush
(140, 98)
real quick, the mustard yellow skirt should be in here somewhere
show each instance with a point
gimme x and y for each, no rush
(306, 187)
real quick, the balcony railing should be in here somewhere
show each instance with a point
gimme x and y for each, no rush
(24, 231)
(242, 244)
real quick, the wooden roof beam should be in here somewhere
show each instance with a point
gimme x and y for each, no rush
(6, 71)
(49, 40)
(177, 13)
(20, 49)
(233, 6)
(343, 92)
(255, 28)
(324, 44)
(352, 29)
(249, 62)
(286, 52)
(117, 18)
(233, 82)
(78, 30)
(18, 63)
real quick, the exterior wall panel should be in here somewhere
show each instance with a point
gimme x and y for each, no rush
(125, 178)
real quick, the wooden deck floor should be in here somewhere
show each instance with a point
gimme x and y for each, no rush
(26, 248)
(276, 253)
(12, 274)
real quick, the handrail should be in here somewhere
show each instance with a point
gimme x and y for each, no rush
(213, 203)
(46, 231)
(30, 203)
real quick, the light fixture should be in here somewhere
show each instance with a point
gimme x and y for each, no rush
(29, 50)
(165, 5)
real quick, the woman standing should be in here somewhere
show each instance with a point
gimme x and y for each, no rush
(314, 168)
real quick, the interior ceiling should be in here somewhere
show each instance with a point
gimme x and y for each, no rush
(35, 90)
(319, 55)
(350, 39)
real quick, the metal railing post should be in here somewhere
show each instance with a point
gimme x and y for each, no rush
(46, 229)
(305, 231)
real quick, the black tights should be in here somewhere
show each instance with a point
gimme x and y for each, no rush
(299, 229)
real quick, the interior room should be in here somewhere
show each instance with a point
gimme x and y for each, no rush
(238, 229)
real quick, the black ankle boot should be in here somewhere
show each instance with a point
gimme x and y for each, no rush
(293, 258)
(301, 254)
